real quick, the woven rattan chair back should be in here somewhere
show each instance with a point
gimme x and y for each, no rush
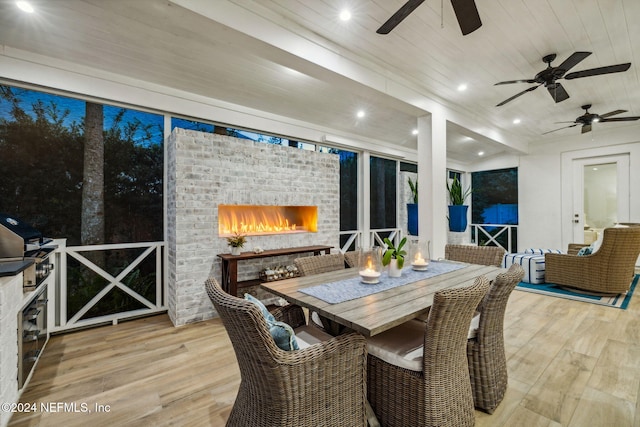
(441, 394)
(351, 258)
(323, 384)
(483, 255)
(319, 264)
(310, 265)
(485, 352)
(610, 270)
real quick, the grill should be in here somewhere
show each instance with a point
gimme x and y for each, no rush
(19, 241)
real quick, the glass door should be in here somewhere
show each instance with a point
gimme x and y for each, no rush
(600, 196)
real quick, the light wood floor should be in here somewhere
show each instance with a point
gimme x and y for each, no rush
(570, 364)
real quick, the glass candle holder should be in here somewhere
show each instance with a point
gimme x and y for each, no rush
(419, 255)
(370, 265)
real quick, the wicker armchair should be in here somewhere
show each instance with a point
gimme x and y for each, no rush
(483, 255)
(321, 385)
(485, 350)
(322, 264)
(351, 259)
(319, 264)
(437, 392)
(609, 271)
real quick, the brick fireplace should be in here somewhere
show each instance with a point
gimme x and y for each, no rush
(208, 170)
(261, 220)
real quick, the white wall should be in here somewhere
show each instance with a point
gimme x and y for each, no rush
(545, 171)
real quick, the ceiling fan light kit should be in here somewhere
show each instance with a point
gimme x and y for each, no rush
(549, 76)
(587, 119)
(469, 21)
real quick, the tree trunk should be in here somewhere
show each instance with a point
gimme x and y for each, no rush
(92, 224)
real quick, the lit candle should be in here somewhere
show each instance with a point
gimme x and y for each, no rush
(419, 263)
(369, 275)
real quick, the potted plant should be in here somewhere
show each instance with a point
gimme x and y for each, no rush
(412, 209)
(457, 208)
(394, 257)
(236, 242)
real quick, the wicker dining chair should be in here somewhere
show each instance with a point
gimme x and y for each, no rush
(609, 270)
(321, 385)
(351, 258)
(310, 265)
(485, 349)
(319, 264)
(433, 388)
(483, 255)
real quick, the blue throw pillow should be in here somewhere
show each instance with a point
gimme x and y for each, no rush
(282, 333)
(587, 250)
(265, 312)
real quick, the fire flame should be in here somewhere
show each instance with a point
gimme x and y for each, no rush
(256, 220)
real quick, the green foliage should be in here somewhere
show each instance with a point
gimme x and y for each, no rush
(237, 240)
(456, 195)
(42, 166)
(83, 284)
(499, 186)
(414, 190)
(394, 253)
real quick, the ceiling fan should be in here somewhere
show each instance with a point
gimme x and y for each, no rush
(549, 75)
(588, 118)
(465, 10)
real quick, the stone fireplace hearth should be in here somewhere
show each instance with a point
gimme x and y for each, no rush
(207, 170)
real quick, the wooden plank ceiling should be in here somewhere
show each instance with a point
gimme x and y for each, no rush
(161, 42)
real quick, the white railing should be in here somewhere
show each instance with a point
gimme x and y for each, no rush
(150, 249)
(395, 235)
(480, 232)
(375, 239)
(355, 238)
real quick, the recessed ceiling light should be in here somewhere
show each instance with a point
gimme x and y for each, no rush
(516, 121)
(360, 114)
(462, 87)
(345, 15)
(25, 6)
(414, 132)
(595, 169)
(480, 153)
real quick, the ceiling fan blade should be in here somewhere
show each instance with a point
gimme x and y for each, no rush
(573, 121)
(573, 60)
(399, 16)
(517, 95)
(566, 127)
(557, 92)
(467, 14)
(597, 71)
(612, 113)
(586, 128)
(515, 81)
(621, 119)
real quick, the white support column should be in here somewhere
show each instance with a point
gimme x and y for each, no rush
(365, 191)
(432, 170)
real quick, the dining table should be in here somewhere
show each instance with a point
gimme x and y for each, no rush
(341, 297)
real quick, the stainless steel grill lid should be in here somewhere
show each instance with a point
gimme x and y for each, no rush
(16, 236)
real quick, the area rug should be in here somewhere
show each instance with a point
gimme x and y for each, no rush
(617, 301)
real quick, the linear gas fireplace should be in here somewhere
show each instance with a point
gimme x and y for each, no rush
(266, 219)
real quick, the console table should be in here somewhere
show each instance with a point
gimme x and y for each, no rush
(230, 282)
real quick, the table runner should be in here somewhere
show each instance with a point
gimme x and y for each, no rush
(353, 288)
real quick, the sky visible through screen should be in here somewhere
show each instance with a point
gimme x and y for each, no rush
(76, 108)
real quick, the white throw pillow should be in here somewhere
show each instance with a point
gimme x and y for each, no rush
(596, 245)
